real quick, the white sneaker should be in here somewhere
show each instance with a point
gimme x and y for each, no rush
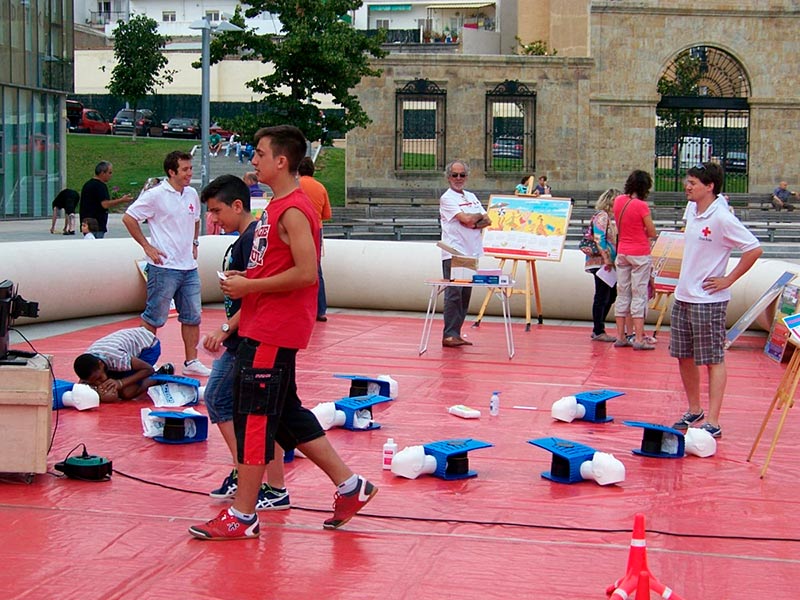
(195, 367)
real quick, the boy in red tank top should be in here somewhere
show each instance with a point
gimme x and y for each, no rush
(279, 303)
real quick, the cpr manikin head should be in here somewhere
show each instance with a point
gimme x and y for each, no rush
(699, 442)
(82, 397)
(411, 462)
(567, 409)
(328, 416)
(604, 469)
(394, 387)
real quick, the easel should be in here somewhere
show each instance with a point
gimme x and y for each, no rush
(531, 288)
(661, 303)
(783, 400)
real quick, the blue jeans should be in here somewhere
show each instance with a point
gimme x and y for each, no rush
(219, 388)
(322, 300)
(164, 285)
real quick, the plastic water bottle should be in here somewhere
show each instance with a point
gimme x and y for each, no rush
(389, 450)
(494, 404)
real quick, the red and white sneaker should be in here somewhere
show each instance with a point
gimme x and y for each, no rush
(345, 506)
(226, 526)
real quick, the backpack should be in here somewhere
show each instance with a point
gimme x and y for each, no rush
(587, 245)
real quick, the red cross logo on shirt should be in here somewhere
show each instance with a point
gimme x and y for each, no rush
(191, 207)
(706, 231)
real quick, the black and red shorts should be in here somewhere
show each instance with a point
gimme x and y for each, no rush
(266, 408)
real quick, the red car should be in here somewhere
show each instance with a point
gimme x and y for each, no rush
(225, 133)
(86, 120)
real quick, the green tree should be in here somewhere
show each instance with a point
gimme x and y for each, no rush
(317, 54)
(535, 48)
(140, 67)
(682, 80)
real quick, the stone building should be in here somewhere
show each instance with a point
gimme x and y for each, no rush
(587, 121)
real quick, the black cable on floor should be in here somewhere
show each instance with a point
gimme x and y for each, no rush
(495, 523)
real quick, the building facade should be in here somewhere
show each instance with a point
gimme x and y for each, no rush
(174, 18)
(586, 122)
(36, 66)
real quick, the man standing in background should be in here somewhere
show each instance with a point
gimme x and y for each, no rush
(95, 199)
(462, 217)
(318, 195)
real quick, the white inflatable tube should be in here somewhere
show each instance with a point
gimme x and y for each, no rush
(75, 280)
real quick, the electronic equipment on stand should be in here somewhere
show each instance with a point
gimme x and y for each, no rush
(13, 306)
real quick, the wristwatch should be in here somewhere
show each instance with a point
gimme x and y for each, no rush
(196, 242)
(225, 328)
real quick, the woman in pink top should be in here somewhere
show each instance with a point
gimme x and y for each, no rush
(635, 229)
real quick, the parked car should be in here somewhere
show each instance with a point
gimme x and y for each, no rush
(507, 147)
(86, 120)
(735, 162)
(181, 127)
(144, 120)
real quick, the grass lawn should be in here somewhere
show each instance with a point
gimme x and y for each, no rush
(329, 170)
(133, 161)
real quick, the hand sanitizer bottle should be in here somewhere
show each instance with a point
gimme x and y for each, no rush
(389, 450)
(494, 404)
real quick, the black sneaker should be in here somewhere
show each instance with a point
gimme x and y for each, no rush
(166, 369)
(228, 488)
(688, 419)
(270, 498)
(715, 432)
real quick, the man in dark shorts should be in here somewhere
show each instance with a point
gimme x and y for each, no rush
(66, 200)
(279, 305)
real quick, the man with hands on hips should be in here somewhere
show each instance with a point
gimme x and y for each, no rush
(172, 212)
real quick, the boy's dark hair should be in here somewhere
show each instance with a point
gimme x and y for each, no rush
(306, 167)
(284, 140)
(171, 161)
(226, 189)
(92, 224)
(85, 365)
(639, 183)
(708, 173)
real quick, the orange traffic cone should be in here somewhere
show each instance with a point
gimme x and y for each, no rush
(638, 577)
(643, 588)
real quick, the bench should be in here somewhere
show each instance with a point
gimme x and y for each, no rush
(403, 212)
(774, 231)
(394, 228)
(392, 196)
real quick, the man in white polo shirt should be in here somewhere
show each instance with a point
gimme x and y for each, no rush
(172, 212)
(462, 217)
(702, 294)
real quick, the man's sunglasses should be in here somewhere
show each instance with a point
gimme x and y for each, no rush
(458, 175)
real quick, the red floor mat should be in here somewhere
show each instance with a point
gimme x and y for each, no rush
(715, 529)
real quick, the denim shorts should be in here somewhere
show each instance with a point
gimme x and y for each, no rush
(219, 388)
(164, 285)
(151, 355)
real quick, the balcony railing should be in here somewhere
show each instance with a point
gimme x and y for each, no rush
(105, 17)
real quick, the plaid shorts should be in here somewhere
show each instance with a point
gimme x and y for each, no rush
(698, 331)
